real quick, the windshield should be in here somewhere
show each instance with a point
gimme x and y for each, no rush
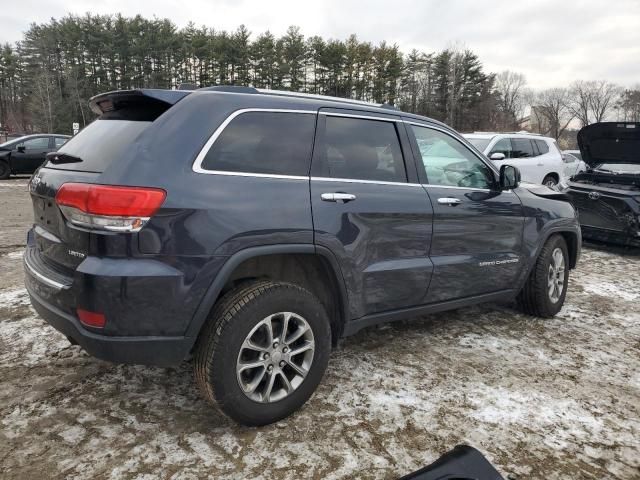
(9, 143)
(479, 143)
(618, 168)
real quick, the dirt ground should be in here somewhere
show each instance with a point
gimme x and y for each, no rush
(542, 399)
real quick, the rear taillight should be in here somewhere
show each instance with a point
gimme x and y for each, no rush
(113, 208)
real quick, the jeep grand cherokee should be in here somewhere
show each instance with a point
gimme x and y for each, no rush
(254, 229)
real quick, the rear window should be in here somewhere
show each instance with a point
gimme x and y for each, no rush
(98, 144)
(361, 149)
(542, 146)
(276, 143)
(522, 148)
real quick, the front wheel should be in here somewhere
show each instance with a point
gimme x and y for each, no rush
(544, 292)
(263, 352)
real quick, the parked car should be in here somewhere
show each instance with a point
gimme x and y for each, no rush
(253, 229)
(25, 154)
(575, 165)
(607, 195)
(538, 158)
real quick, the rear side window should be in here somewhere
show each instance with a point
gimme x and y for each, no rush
(542, 146)
(98, 144)
(277, 143)
(522, 148)
(361, 149)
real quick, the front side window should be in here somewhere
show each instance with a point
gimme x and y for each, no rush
(361, 149)
(277, 143)
(502, 146)
(448, 162)
(522, 148)
(41, 143)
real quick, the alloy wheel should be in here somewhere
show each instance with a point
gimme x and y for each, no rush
(275, 357)
(556, 275)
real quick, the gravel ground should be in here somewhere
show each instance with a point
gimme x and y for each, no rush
(544, 399)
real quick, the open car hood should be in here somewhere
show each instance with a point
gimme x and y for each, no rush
(610, 142)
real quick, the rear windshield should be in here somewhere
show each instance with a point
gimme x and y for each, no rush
(98, 144)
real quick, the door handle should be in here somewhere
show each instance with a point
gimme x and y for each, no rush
(337, 197)
(452, 202)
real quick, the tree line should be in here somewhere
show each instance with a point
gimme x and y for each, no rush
(47, 78)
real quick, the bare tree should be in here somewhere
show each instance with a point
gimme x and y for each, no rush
(551, 111)
(579, 103)
(628, 105)
(603, 99)
(510, 87)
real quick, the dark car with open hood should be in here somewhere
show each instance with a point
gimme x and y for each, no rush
(607, 195)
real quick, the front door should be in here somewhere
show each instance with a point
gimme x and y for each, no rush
(370, 211)
(477, 229)
(30, 154)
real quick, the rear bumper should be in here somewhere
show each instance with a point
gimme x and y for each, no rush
(159, 351)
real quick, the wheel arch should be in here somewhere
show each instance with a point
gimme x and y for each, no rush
(313, 268)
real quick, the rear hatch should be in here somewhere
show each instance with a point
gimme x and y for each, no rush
(63, 235)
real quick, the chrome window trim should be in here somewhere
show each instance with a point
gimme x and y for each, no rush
(355, 180)
(197, 164)
(364, 117)
(431, 185)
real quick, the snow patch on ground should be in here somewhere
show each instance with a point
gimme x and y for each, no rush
(607, 289)
(14, 298)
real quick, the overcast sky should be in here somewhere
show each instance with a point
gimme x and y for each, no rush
(552, 42)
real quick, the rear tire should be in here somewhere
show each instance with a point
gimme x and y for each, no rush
(5, 170)
(550, 181)
(244, 370)
(544, 291)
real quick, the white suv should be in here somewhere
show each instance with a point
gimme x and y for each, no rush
(538, 158)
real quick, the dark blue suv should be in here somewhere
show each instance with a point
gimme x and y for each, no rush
(253, 229)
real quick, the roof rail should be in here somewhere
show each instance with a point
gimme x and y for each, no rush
(521, 132)
(230, 89)
(286, 93)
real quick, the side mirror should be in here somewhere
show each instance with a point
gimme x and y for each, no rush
(20, 149)
(509, 177)
(497, 156)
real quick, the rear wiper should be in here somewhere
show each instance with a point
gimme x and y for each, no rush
(58, 158)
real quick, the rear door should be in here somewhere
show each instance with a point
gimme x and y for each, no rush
(477, 229)
(370, 211)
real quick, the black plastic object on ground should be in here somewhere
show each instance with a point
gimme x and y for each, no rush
(461, 463)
